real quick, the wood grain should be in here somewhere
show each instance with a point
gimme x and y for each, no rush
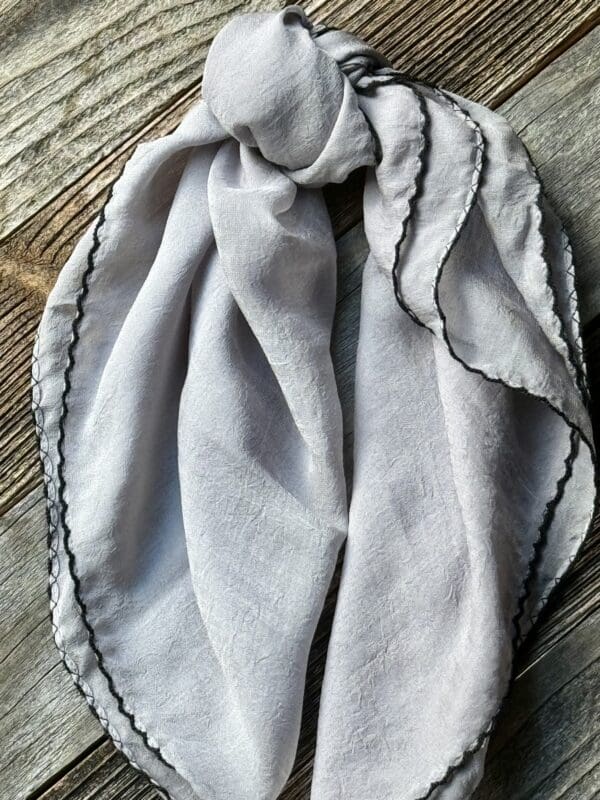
(45, 725)
(83, 83)
(80, 79)
(548, 742)
(80, 85)
(42, 726)
(558, 117)
(26, 628)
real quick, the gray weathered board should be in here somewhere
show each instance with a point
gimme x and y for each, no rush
(82, 83)
(546, 746)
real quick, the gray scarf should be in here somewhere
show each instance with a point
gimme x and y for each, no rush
(191, 430)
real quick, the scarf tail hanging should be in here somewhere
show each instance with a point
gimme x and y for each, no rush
(176, 332)
(488, 328)
(190, 430)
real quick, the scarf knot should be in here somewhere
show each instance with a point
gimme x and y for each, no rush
(294, 99)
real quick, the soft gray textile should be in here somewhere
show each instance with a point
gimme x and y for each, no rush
(191, 431)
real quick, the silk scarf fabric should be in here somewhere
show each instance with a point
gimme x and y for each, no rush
(191, 431)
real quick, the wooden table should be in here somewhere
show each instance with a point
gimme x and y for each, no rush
(81, 84)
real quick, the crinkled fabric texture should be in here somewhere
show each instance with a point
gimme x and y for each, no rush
(191, 430)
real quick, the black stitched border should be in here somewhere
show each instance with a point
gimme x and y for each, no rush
(399, 79)
(62, 508)
(540, 543)
(62, 501)
(575, 435)
(575, 315)
(52, 534)
(417, 188)
(571, 354)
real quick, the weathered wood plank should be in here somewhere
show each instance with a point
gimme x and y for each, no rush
(545, 747)
(20, 309)
(101, 774)
(558, 117)
(577, 600)
(548, 741)
(79, 79)
(63, 140)
(42, 726)
(44, 722)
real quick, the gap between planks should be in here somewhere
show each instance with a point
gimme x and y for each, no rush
(95, 746)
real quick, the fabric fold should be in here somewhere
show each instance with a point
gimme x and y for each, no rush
(191, 431)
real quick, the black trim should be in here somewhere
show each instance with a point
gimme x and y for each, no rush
(52, 534)
(541, 541)
(423, 148)
(573, 361)
(62, 505)
(576, 432)
(576, 317)
(62, 501)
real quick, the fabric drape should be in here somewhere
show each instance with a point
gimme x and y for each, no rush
(191, 430)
